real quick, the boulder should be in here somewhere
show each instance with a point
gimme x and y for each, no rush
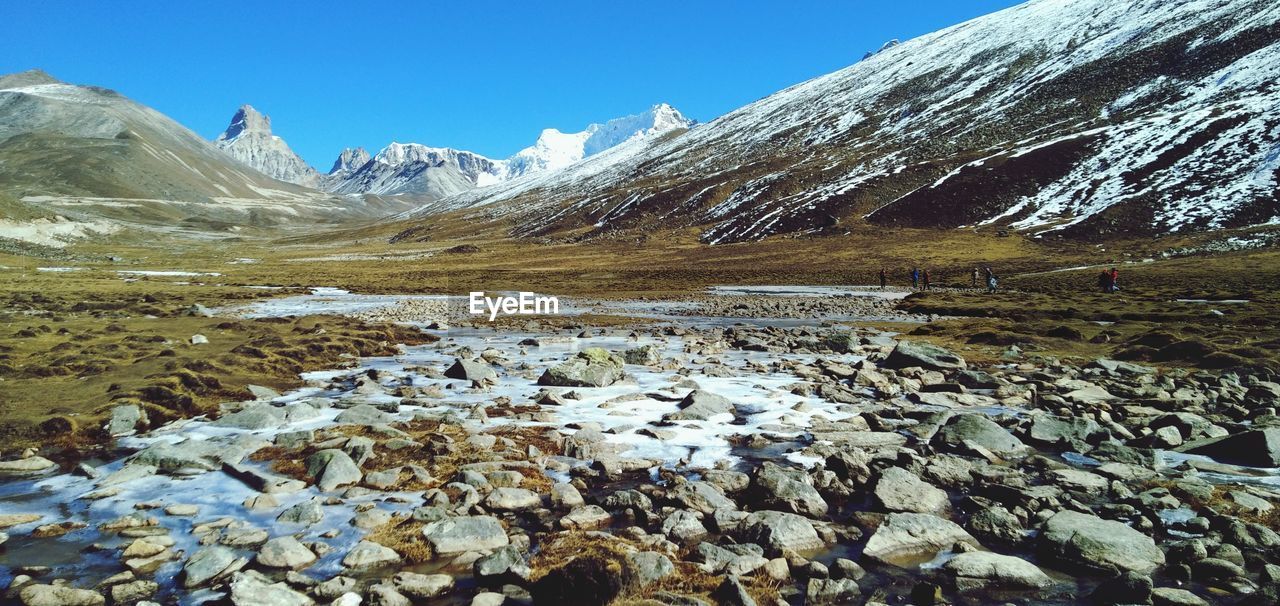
(30, 466)
(253, 417)
(1065, 431)
(285, 552)
(471, 370)
(209, 564)
(909, 354)
(253, 589)
(784, 489)
(650, 566)
(591, 367)
(778, 532)
(422, 586)
(701, 497)
(1079, 539)
(700, 405)
(512, 499)
(37, 594)
(831, 591)
(645, 355)
(965, 431)
(367, 554)
(332, 468)
(900, 490)
(908, 538)
(1253, 448)
(125, 420)
(466, 533)
(978, 569)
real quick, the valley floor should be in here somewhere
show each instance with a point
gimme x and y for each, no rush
(202, 421)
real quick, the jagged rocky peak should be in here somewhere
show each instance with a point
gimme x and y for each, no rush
(247, 119)
(31, 77)
(349, 160)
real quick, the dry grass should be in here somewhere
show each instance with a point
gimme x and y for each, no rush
(404, 535)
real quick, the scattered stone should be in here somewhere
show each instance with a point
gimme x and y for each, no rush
(332, 468)
(1079, 539)
(367, 554)
(423, 586)
(900, 490)
(467, 533)
(471, 370)
(979, 569)
(909, 354)
(285, 552)
(907, 538)
(253, 589)
(591, 367)
(59, 595)
(28, 467)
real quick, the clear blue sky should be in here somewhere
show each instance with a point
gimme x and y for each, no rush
(483, 76)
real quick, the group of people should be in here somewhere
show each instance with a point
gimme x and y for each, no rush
(1109, 280)
(920, 279)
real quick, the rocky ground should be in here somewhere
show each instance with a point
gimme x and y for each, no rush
(683, 463)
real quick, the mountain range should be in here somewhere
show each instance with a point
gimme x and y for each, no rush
(1087, 119)
(433, 172)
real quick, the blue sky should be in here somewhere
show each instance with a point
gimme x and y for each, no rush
(483, 76)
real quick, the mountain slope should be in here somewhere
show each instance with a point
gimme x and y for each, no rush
(90, 154)
(433, 172)
(249, 139)
(1081, 118)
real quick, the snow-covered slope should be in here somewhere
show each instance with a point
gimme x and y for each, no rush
(249, 139)
(1084, 118)
(436, 172)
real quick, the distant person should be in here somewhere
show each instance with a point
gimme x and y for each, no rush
(884, 279)
(1115, 280)
(925, 276)
(992, 282)
(915, 278)
(974, 282)
(1104, 281)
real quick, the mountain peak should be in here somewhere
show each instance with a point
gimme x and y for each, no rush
(247, 119)
(31, 77)
(349, 160)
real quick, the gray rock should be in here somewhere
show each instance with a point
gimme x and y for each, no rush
(966, 430)
(386, 594)
(924, 355)
(305, 513)
(586, 517)
(650, 567)
(702, 497)
(285, 552)
(831, 591)
(363, 414)
(512, 499)
(1253, 448)
(332, 468)
(253, 417)
(591, 367)
(262, 393)
(133, 592)
(997, 523)
(334, 587)
(645, 355)
(900, 490)
(504, 561)
(908, 538)
(423, 586)
(977, 569)
(1088, 541)
(471, 370)
(683, 526)
(786, 489)
(30, 466)
(565, 496)
(467, 533)
(1064, 431)
(209, 564)
(37, 594)
(188, 456)
(253, 589)
(125, 420)
(700, 405)
(367, 554)
(732, 593)
(779, 531)
(1170, 596)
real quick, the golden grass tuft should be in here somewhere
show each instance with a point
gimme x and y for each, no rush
(403, 535)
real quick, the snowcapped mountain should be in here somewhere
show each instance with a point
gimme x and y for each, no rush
(555, 149)
(249, 140)
(350, 160)
(1078, 118)
(410, 168)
